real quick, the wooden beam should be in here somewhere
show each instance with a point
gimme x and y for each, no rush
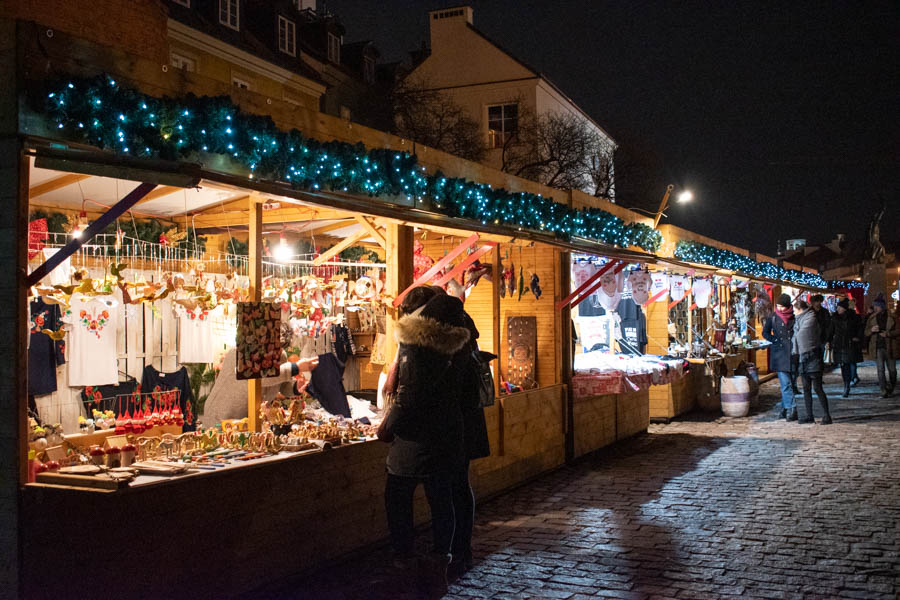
(239, 203)
(399, 256)
(340, 247)
(39, 189)
(368, 226)
(166, 190)
(281, 215)
(460, 233)
(496, 269)
(254, 386)
(327, 228)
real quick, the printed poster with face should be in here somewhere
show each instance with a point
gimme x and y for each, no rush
(258, 340)
(640, 282)
(660, 286)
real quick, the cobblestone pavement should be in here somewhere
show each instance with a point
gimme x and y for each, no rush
(754, 507)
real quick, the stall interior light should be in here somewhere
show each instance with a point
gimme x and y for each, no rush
(283, 252)
(82, 224)
(685, 196)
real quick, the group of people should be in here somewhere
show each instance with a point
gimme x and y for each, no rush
(435, 426)
(800, 335)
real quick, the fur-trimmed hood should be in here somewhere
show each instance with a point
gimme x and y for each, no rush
(416, 330)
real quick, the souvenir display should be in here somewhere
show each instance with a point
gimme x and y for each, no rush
(521, 335)
(258, 339)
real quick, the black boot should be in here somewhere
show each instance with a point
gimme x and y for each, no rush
(808, 416)
(826, 420)
(793, 415)
(846, 393)
(783, 414)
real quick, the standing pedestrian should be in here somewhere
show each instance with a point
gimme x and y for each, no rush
(881, 331)
(846, 342)
(779, 329)
(824, 319)
(476, 445)
(806, 344)
(854, 367)
(424, 426)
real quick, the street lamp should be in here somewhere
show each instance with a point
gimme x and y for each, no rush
(683, 197)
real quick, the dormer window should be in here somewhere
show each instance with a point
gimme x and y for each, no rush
(229, 15)
(334, 48)
(287, 36)
(369, 69)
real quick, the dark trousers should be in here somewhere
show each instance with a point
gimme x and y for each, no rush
(884, 362)
(811, 380)
(464, 511)
(853, 371)
(398, 502)
(847, 373)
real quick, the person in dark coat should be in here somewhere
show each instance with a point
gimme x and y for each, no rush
(846, 341)
(882, 331)
(425, 429)
(823, 318)
(806, 344)
(476, 445)
(778, 329)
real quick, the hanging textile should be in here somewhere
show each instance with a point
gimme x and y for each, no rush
(677, 287)
(154, 380)
(92, 340)
(660, 287)
(326, 385)
(702, 290)
(44, 353)
(197, 337)
(639, 283)
(258, 340)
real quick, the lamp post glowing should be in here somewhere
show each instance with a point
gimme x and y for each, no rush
(685, 196)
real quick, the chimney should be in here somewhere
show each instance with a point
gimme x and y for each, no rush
(445, 23)
(306, 5)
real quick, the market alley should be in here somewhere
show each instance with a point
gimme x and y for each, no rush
(754, 507)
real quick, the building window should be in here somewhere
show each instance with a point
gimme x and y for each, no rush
(240, 83)
(180, 61)
(369, 69)
(183, 2)
(503, 122)
(334, 48)
(228, 13)
(287, 36)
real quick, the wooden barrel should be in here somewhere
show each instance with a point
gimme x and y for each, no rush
(735, 396)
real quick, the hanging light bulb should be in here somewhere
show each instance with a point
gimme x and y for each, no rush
(82, 224)
(283, 252)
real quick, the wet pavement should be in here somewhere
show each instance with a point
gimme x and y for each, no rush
(699, 508)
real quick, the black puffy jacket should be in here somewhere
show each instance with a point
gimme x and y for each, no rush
(425, 420)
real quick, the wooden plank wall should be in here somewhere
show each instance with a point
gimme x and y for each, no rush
(536, 259)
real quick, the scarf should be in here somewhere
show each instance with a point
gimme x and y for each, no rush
(785, 313)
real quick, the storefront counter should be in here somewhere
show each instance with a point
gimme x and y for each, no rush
(219, 533)
(601, 420)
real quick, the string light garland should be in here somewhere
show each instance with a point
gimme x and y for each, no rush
(101, 112)
(726, 259)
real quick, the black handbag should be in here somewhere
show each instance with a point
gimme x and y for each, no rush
(482, 364)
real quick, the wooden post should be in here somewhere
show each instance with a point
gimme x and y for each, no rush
(399, 256)
(496, 275)
(254, 386)
(564, 357)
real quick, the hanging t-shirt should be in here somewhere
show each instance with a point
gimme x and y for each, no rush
(92, 340)
(639, 283)
(59, 275)
(702, 289)
(197, 341)
(157, 381)
(581, 272)
(677, 287)
(44, 353)
(659, 288)
(634, 324)
(610, 291)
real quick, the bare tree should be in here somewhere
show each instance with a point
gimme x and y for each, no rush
(432, 118)
(561, 150)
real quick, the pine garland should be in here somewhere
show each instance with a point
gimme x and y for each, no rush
(101, 112)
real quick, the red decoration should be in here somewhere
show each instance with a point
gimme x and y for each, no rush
(37, 237)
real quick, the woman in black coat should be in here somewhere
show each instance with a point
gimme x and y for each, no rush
(476, 445)
(846, 344)
(425, 427)
(779, 329)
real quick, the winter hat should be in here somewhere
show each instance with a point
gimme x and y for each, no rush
(817, 298)
(444, 309)
(844, 303)
(784, 300)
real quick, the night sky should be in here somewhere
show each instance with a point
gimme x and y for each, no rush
(782, 118)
